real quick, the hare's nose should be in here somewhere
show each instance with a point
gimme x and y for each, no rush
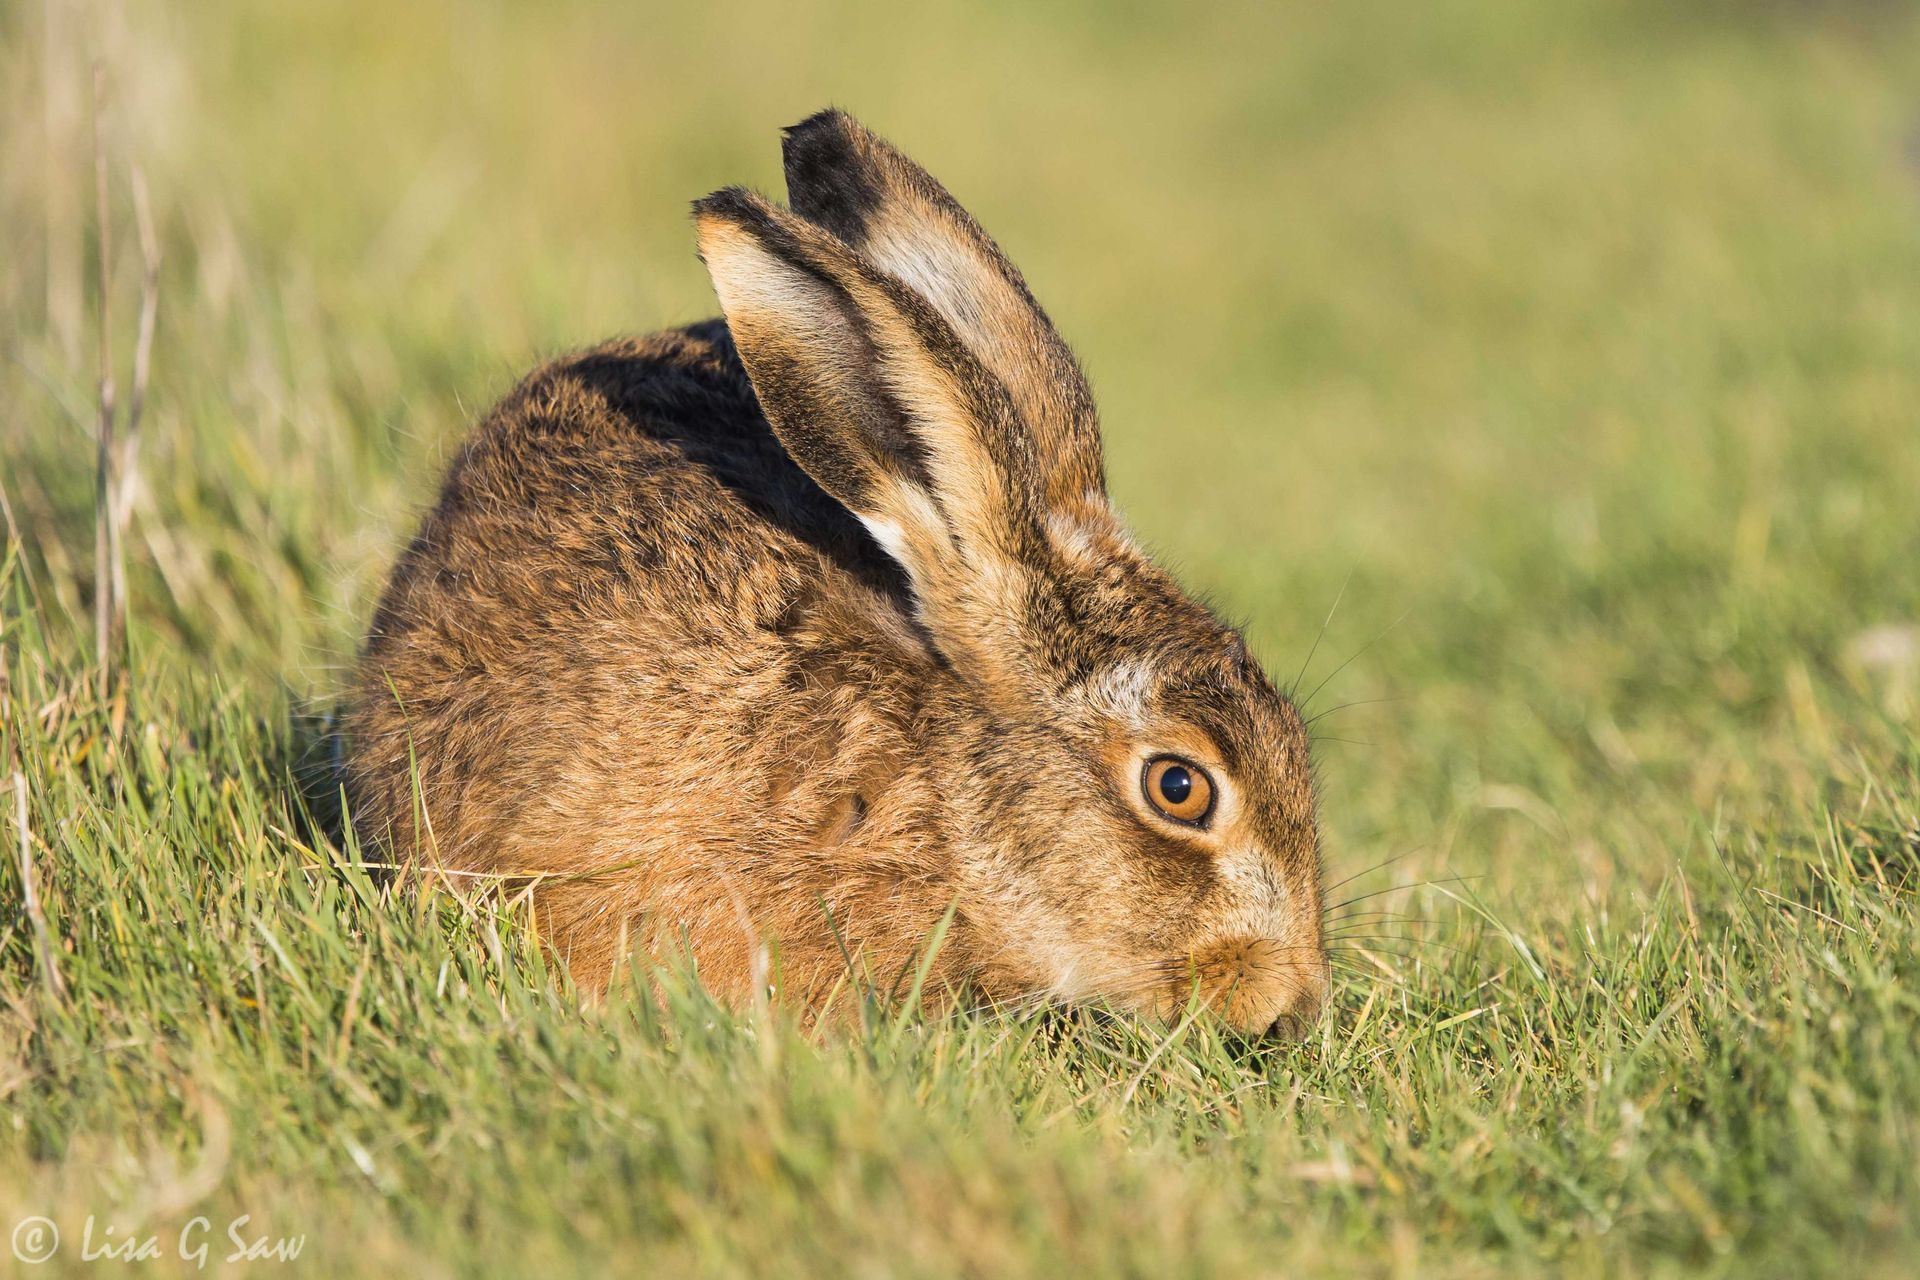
(1290, 1027)
(1262, 986)
(1296, 1020)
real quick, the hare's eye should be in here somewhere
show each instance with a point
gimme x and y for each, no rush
(1178, 788)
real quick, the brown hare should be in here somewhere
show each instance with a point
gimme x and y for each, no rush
(792, 632)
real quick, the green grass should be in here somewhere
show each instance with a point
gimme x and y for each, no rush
(1575, 348)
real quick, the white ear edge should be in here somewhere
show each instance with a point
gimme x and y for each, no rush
(748, 280)
(914, 533)
(941, 273)
(891, 537)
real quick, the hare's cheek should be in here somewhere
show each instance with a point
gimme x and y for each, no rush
(1254, 898)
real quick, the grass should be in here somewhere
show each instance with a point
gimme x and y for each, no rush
(1575, 349)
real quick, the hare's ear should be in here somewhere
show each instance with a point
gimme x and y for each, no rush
(892, 212)
(872, 394)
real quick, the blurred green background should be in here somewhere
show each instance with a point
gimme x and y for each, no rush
(1572, 348)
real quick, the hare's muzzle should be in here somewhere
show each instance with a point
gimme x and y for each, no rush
(1261, 986)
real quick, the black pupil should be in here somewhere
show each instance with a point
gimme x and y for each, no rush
(1176, 784)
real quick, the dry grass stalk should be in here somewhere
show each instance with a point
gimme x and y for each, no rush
(105, 538)
(30, 894)
(117, 452)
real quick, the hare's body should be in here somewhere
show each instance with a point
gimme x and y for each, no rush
(813, 625)
(756, 708)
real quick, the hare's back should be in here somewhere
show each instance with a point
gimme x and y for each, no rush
(624, 571)
(644, 468)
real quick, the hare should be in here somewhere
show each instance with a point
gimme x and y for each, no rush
(802, 632)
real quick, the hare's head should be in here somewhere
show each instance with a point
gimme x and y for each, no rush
(1131, 800)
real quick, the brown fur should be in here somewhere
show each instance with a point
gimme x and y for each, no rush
(725, 642)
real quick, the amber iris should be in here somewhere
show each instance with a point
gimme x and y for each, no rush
(1178, 789)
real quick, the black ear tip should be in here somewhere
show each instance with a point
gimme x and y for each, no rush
(822, 138)
(835, 172)
(826, 122)
(736, 204)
